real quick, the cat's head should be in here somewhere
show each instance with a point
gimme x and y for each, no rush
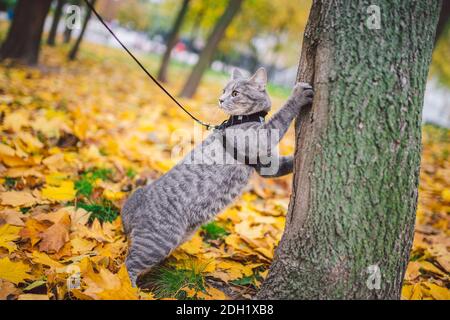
(242, 96)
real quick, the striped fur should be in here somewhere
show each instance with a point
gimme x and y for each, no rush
(159, 217)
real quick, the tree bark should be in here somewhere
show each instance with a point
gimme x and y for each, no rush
(196, 24)
(357, 152)
(74, 52)
(24, 35)
(210, 48)
(56, 18)
(172, 41)
(443, 19)
(67, 35)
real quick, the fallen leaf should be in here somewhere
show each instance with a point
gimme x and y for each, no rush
(8, 234)
(12, 217)
(55, 236)
(32, 296)
(15, 272)
(8, 290)
(42, 258)
(17, 198)
(64, 192)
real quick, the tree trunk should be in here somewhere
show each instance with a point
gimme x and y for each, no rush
(351, 216)
(196, 24)
(24, 35)
(172, 40)
(210, 48)
(56, 17)
(67, 34)
(74, 52)
(443, 19)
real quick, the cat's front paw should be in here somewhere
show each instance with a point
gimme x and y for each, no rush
(303, 94)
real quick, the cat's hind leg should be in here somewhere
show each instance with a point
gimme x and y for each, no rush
(147, 250)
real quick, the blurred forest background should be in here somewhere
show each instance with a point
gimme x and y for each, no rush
(82, 127)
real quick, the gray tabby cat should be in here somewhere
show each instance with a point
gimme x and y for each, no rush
(159, 217)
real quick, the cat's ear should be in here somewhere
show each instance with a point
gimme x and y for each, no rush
(260, 77)
(236, 74)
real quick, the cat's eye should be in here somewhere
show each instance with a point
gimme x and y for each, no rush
(234, 93)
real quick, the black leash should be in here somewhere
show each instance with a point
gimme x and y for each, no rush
(91, 7)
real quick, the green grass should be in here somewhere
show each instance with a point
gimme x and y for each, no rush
(245, 281)
(85, 185)
(213, 231)
(10, 183)
(131, 173)
(168, 282)
(104, 211)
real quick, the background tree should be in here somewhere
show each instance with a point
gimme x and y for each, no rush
(74, 51)
(275, 25)
(357, 152)
(135, 14)
(210, 48)
(67, 34)
(196, 23)
(56, 18)
(172, 40)
(443, 19)
(24, 36)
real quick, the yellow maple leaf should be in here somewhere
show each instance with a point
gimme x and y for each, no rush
(109, 286)
(15, 272)
(64, 192)
(43, 258)
(215, 294)
(81, 246)
(435, 291)
(55, 178)
(32, 230)
(6, 150)
(245, 228)
(445, 194)
(194, 245)
(113, 195)
(8, 234)
(31, 142)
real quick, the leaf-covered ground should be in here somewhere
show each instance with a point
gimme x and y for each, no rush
(77, 138)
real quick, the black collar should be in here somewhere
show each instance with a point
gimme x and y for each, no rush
(235, 120)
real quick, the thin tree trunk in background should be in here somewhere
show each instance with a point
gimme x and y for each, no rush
(210, 48)
(67, 35)
(24, 36)
(172, 40)
(196, 25)
(352, 211)
(443, 19)
(74, 52)
(56, 18)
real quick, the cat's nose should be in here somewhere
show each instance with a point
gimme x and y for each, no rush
(220, 101)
